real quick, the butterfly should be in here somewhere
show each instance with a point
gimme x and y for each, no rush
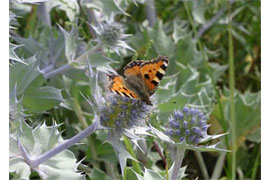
(141, 79)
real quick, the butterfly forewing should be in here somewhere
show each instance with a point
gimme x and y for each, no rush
(133, 68)
(153, 72)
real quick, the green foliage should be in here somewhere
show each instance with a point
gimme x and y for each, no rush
(36, 142)
(59, 66)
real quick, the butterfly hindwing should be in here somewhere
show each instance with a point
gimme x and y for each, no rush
(118, 86)
(153, 71)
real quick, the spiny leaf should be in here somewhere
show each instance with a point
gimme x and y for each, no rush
(36, 142)
(12, 54)
(120, 150)
(24, 75)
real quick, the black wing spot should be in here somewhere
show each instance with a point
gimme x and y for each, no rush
(154, 82)
(118, 92)
(150, 71)
(125, 94)
(159, 75)
(146, 76)
(163, 67)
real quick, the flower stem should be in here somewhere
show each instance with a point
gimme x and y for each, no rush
(68, 143)
(82, 120)
(66, 67)
(232, 105)
(219, 166)
(256, 164)
(151, 12)
(202, 165)
(160, 153)
(179, 156)
(209, 23)
(163, 159)
(111, 170)
(43, 14)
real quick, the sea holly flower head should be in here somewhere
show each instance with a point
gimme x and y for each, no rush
(187, 125)
(187, 129)
(111, 34)
(120, 112)
(121, 116)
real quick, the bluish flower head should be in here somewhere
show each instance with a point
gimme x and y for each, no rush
(193, 120)
(178, 115)
(170, 132)
(185, 109)
(174, 123)
(121, 112)
(187, 125)
(111, 34)
(192, 111)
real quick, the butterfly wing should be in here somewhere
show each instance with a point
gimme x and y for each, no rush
(153, 71)
(132, 68)
(118, 86)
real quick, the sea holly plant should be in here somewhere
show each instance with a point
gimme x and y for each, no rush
(38, 148)
(121, 116)
(187, 130)
(111, 34)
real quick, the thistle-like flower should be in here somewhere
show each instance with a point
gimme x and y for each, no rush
(119, 112)
(111, 34)
(188, 125)
(187, 130)
(122, 115)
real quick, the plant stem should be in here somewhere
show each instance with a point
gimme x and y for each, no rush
(142, 154)
(160, 153)
(256, 164)
(79, 113)
(209, 23)
(179, 156)
(34, 163)
(212, 21)
(151, 12)
(47, 69)
(43, 14)
(110, 170)
(232, 105)
(163, 158)
(202, 165)
(219, 166)
(59, 70)
(66, 67)
(87, 53)
(168, 161)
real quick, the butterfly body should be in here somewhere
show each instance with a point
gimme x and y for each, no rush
(141, 79)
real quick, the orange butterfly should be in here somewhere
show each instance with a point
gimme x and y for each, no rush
(141, 79)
